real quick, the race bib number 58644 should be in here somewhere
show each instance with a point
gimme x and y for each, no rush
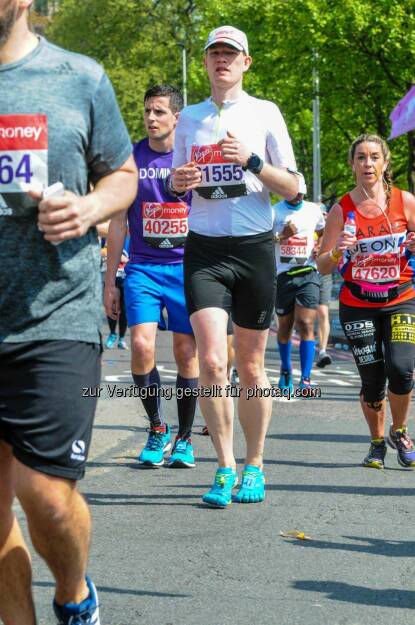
(23, 159)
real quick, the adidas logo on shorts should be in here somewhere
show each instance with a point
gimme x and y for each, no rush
(218, 194)
(166, 243)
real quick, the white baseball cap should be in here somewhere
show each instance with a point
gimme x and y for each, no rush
(302, 187)
(229, 35)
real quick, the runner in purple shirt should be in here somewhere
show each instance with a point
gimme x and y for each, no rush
(154, 280)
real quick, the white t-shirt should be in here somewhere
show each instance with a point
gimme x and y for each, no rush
(231, 202)
(296, 251)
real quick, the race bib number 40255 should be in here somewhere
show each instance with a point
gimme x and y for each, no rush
(165, 224)
(220, 178)
(23, 160)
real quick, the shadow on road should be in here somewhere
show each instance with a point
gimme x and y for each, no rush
(312, 465)
(344, 490)
(100, 499)
(339, 591)
(320, 438)
(121, 591)
(372, 546)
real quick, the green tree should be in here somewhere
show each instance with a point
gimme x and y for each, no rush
(366, 52)
(139, 43)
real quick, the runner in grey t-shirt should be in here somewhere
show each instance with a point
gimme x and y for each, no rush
(59, 122)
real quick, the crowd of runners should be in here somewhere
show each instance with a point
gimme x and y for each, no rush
(193, 246)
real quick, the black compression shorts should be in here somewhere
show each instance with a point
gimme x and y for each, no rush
(382, 341)
(236, 274)
(47, 405)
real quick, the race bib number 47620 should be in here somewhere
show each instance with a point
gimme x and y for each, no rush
(220, 178)
(23, 160)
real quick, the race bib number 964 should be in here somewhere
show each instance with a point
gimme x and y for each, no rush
(23, 160)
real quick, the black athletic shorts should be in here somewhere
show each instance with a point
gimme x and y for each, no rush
(302, 289)
(47, 405)
(236, 274)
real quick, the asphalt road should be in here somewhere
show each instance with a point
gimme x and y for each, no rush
(160, 558)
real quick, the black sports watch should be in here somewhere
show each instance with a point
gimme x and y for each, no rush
(254, 164)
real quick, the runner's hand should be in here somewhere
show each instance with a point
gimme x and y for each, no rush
(112, 301)
(345, 241)
(61, 218)
(289, 230)
(186, 177)
(410, 242)
(233, 150)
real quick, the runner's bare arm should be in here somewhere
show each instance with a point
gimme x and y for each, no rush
(117, 232)
(71, 216)
(334, 242)
(276, 179)
(409, 209)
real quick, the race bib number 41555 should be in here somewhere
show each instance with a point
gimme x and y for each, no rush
(23, 160)
(220, 178)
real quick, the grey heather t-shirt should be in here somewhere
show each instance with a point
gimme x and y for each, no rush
(59, 121)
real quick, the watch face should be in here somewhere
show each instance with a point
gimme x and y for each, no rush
(254, 161)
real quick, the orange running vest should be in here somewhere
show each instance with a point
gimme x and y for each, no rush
(379, 261)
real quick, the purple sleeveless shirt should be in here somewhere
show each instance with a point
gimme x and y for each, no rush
(157, 220)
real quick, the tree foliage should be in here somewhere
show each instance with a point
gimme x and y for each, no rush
(365, 48)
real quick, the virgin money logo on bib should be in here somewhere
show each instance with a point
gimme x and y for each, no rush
(165, 224)
(205, 154)
(23, 132)
(220, 178)
(152, 211)
(23, 158)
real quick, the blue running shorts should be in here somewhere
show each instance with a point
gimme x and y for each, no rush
(149, 288)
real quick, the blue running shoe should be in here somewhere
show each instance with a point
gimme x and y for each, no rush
(111, 340)
(182, 455)
(286, 381)
(400, 440)
(252, 488)
(85, 613)
(306, 388)
(122, 344)
(158, 443)
(375, 459)
(220, 495)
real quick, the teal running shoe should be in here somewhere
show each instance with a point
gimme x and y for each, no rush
(220, 495)
(182, 455)
(286, 381)
(111, 340)
(158, 442)
(252, 488)
(122, 344)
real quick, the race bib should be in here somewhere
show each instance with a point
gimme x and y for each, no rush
(23, 162)
(220, 179)
(376, 268)
(165, 224)
(294, 249)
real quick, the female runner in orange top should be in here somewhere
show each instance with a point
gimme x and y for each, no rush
(377, 298)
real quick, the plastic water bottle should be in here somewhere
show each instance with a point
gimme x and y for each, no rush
(350, 224)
